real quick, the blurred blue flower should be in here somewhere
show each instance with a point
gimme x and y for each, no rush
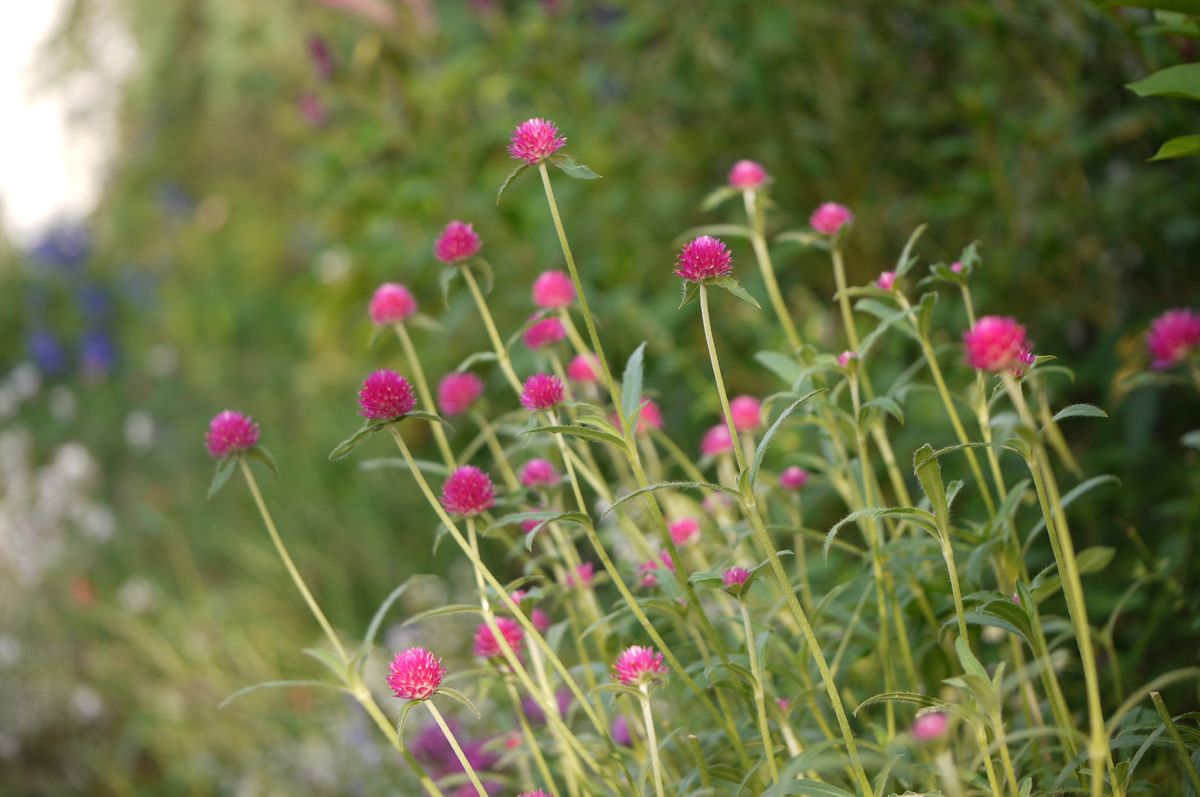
(47, 352)
(98, 352)
(95, 302)
(64, 247)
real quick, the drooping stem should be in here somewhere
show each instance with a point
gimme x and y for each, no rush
(414, 365)
(760, 700)
(462, 758)
(652, 741)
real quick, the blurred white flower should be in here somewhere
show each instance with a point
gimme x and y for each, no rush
(86, 704)
(97, 522)
(136, 596)
(10, 650)
(162, 360)
(332, 265)
(139, 430)
(25, 380)
(62, 403)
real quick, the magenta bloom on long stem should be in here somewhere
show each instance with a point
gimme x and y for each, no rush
(468, 492)
(553, 290)
(458, 242)
(830, 217)
(704, 259)
(486, 644)
(684, 530)
(930, 725)
(542, 392)
(415, 674)
(735, 577)
(457, 392)
(747, 175)
(385, 396)
(638, 665)
(392, 303)
(996, 343)
(886, 280)
(230, 432)
(534, 140)
(544, 333)
(1173, 336)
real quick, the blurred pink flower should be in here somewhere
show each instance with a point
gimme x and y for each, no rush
(886, 280)
(486, 644)
(684, 530)
(457, 392)
(747, 175)
(553, 290)
(830, 217)
(996, 343)
(583, 368)
(930, 725)
(539, 473)
(468, 492)
(392, 303)
(793, 478)
(747, 413)
(458, 242)
(716, 441)
(543, 333)
(1172, 337)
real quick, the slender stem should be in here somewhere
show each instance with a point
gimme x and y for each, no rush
(652, 741)
(414, 365)
(462, 759)
(1180, 747)
(758, 241)
(959, 611)
(944, 763)
(764, 728)
(364, 698)
(288, 563)
(498, 455)
(738, 456)
(981, 740)
(489, 323)
(535, 749)
(1010, 774)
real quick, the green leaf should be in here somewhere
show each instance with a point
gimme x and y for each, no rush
(781, 365)
(919, 517)
(432, 417)
(445, 277)
(1080, 411)
(262, 455)
(925, 313)
(454, 694)
(472, 359)
(906, 260)
(733, 286)
(929, 474)
(718, 197)
(225, 469)
(1180, 6)
(573, 168)
(690, 291)
(719, 230)
(668, 486)
(442, 611)
(585, 432)
(487, 276)
(329, 659)
(888, 405)
(631, 381)
(1003, 613)
(278, 685)
(804, 238)
(514, 174)
(761, 451)
(1181, 80)
(1178, 147)
(344, 448)
(1094, 559)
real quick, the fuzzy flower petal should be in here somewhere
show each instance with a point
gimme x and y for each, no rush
(716, 441)
(542, 392)
(392, 303)
(704, 259)
(583, 368)
(553, 290)
(638, 665)
(535, 140)
(544, 333)
(793, 478)
(415, 674)
(539, 473)
(458, 242)
(1173, 336)
(747, 175)
(996, 343)
(385, 396)
(830, 217)
(747, 413)
(486, 644)
(457, 392)
(684, 530)
(230, 431)
(468, 492)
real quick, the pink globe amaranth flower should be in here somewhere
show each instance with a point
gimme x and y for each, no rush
(684, 530)
(646, 569)
(620, 731)
(468, 492)
(582, 577)
(534, 140)
(638, 665)
(457, 392)
(542, 392)
(583, 368)
(793, 478)
(746, 412)
(458, 242)
(747, 175)
(539, 473)
(957, 267)
(535, 793)
(229, 432)
(716, 441)
(392, 303)
(704, 259)
(415, 674)
(650, 417)
(886, 280)
(783, 703)
(930, 725)
(735, 577)
(543, 333)
(486, 644)
(996, 343)
(830, 217)
(1172, 337)
(553, 290)
(540, 620)
(385, 396)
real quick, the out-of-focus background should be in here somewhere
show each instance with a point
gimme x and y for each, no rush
(199, 197)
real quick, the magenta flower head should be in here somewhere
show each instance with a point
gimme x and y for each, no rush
(734, 580)
(620, 731)
(793, 478)
(957, 267)
(930, 725)
(583, 368)
(830, 217)
(553, 290)
(468, 492)
(1173, 336)
(716, 441)
(385, 396)
(639, 665)
(415, 674)
(886, 280)
(486, 644)
(458, 242)
(539, 473)
(535, 793)
(746, 412)
(747, 175)
(457, 392)
(684, 530)
(582, 577)
(845, 358)
(542, 392)
(534, 140)
(996, 343)
(704, 259)
(544, 333)
(391, 304)
(230, 432)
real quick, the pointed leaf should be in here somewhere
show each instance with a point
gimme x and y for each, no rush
(718, 197)
(514, 174)
(929, 474)
(761, 451)
(344, 448)
(454, 694)
(585, 432)
(1181, 81)
(1080, 411)
(733, 286)
(1178, 147)
(906, 261)
(278, 685)
(690, 291)
(631, 382)
(224, 470)
(781, 365)
(264, 456)
(573, 168)
(442, 611)
(668, 486)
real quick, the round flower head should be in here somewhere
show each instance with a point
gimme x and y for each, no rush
(957, 267)
(458, 242)
(553, 290)
(457, 392)
(535, 140)
(704, 259)
(1172, 336)
(930, 725)
(543, 333)
(583, 368)
(229, 432)
(392, 303)
(747, 175)
(385, 396)
(684, 530)
(639, 665)
(539, 473)
(830, 217)
(620, 731)
(734, 578)
(582, 577)
(415, 674)
(793, 478)
(542, 392)
(540, 620)
(468, 492)
(486, 644)
(845, 358)
(886, 280)
(716, 441)
(747, 413)
(996, 343)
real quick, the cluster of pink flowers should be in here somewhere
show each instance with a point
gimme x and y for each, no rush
(230, 432)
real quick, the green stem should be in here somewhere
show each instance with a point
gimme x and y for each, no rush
(1180, 747)
(489, 323)
(652, 741)
(414, 365)
(462, 759)
(758, 241)
(535, 749)
(981, 740)
(760, 701)
(364, 698)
